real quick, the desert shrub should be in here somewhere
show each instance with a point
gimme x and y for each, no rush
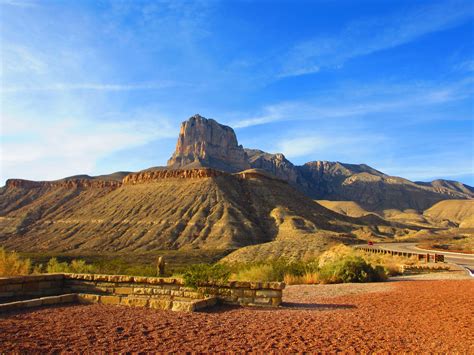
(350, 269)
(393, 265)
(259, 272)
(54, 266)
(76, 266)
(11, 264)
(276, 270)
(80, 267)
(204, 273)
(335, 253)
(38, 269)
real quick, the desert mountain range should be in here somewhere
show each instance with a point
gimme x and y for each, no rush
(205, 143)
(214, 194)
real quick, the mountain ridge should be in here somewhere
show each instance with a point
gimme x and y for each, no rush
(205, 143)
(371, 188)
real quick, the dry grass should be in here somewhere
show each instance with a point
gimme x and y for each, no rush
(308, 278)
(11, 264)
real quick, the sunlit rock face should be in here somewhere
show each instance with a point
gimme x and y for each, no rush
(203, 142)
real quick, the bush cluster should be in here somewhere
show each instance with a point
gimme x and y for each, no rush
(12, 265)
(350, 269)
(203, 273)
(76, 266)
(275, 270)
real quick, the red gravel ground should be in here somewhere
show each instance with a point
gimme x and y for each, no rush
(420, 316)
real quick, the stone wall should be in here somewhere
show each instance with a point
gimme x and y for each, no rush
(152, 292)
(232, 292)
(24, 287)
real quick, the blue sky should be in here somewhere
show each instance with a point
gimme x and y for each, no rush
(100, 86)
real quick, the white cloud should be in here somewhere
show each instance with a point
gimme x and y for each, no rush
(18, 59)
(370, 35)
(354, 101)
(89, 86)
(317, 145)
(19, 3)
(50, 150)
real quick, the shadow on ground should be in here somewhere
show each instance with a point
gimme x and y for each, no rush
(316, 306)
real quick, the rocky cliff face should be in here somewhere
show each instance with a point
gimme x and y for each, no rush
(372, 189)
(276, 164)
(149, 176)
(68, 184)
(205, 143)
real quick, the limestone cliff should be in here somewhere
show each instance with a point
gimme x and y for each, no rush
(203, 142)
(66, 183)
(154, 175)
(276, 164)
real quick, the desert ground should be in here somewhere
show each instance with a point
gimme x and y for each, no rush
(409, 314)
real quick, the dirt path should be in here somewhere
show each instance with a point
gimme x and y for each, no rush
(421, 316)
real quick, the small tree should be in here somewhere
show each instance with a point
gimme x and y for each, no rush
(11, 264)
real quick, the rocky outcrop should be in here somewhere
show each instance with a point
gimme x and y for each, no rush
(205, 143)
(448, 187)
(67, 184)
(372, 189)
(276, 164)
(149, 176)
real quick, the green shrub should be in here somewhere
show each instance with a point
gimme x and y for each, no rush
(77, 266)
(275, 270)
(204, 273)
(54, 266)
(80, 267)
(259, 273)
(11, 264)
(350, 269)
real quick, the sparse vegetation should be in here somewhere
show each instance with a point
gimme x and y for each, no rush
(338, 264)
(11, 264)
(350, 269)
(76, 266)
(137, 264)
(202, 273)
(271, 270)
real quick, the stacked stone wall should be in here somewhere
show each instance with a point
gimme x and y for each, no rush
(24, 287)
(152, 292)
(232, 292)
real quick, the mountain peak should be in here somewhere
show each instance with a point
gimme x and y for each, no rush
(204, 142)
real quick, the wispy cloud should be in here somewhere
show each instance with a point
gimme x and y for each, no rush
(89, 86)
(316, 145)
(36, 149)
(355, 101)
(19, 3)
(370, 35)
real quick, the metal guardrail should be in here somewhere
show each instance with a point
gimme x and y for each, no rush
(425, 257)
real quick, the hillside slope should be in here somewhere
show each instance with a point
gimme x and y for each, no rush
(460, 212)
(165, 209)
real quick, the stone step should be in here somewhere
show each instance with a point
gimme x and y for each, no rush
(182, 304)
(36, 302)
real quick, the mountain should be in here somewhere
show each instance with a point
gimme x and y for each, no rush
(214, 194)
(168, 209)
(205, 143)
(372, 189)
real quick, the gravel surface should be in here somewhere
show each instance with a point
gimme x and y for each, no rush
(419, 316)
